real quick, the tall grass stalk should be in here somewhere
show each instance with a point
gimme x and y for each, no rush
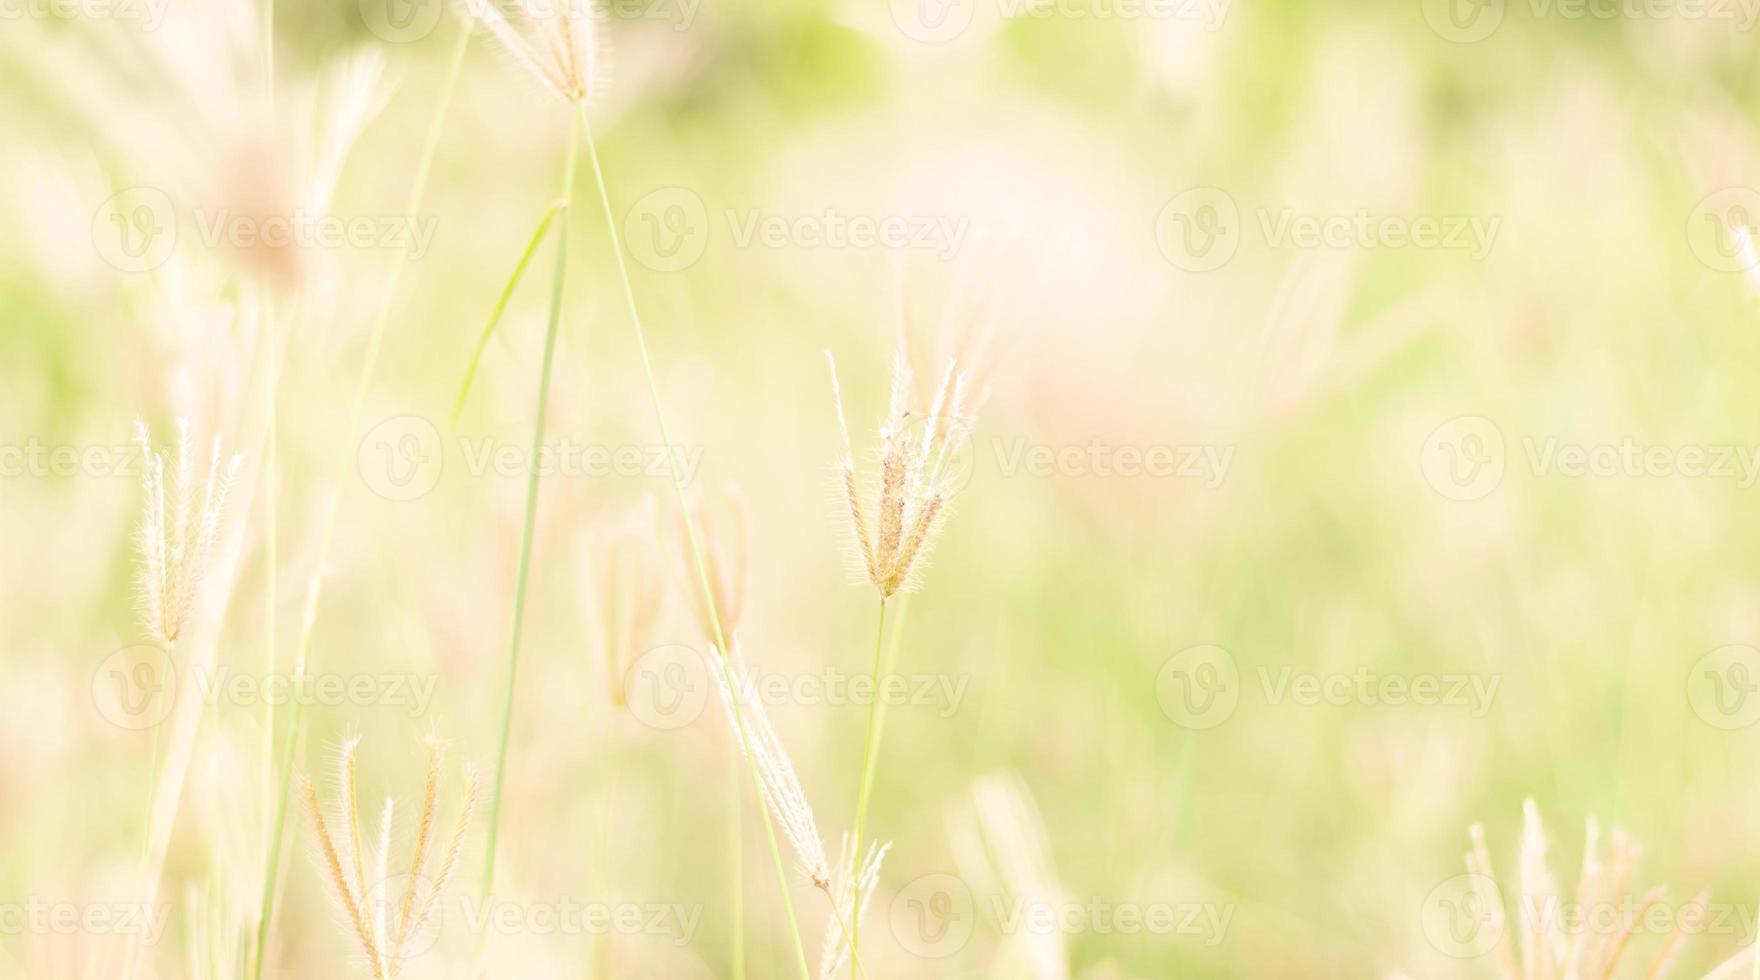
(531, 510)
(327, 525)
(691, 534)
(736, 856)
(870, 744)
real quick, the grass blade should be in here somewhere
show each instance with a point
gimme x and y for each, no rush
(470, 372)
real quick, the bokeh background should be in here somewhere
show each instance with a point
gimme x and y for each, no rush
(1429, 326)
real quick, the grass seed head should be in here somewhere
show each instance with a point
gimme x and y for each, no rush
(557, 41)
(180, 526)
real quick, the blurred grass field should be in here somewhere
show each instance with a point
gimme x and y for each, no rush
(1359, 458)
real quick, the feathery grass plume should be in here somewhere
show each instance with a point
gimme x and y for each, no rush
(916, 474)
(850, 893)
(782, 788)
(625, 586)
(558, 41)
(1588, 945)
(179, 528)
(388, 927)
(723, 527)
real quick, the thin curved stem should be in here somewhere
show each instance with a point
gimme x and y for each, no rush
(696, 545)
(327, 524)
(870, 750)
(525, 538)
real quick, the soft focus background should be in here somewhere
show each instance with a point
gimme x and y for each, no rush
(1370, 445)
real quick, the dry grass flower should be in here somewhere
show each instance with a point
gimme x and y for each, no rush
(782, 788)
(916, 474)
(1587, 945)
(558, 41)
(179, 527)
(850, 894)
(387, 926)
